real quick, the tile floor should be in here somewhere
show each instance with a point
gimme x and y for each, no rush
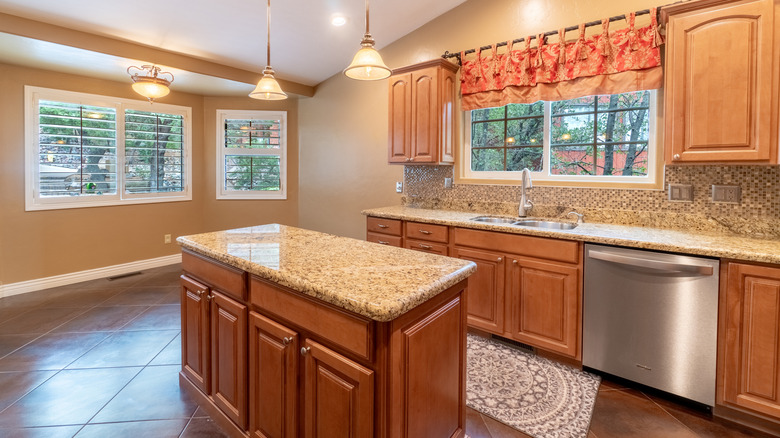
(101, 359)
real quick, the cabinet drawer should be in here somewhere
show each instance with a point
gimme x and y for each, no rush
(429, 232)
(384, 239)
(384, 226)
(434, 248)
(349, 331)
(529, 246)
(225, 278)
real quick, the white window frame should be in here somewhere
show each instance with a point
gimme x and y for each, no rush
(651, 180)
(222, 151)
(33, 201)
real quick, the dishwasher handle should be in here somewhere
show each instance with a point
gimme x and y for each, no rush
(657, 265)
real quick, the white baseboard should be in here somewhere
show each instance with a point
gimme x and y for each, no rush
(7, 290)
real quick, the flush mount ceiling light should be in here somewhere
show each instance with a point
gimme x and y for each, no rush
(338, 20)
(148, 81)
(268, 88)
(367, 65)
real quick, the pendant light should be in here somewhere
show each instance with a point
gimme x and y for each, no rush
(268, 88)
(367, 65)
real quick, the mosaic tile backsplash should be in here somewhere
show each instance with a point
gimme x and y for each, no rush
(757, 215)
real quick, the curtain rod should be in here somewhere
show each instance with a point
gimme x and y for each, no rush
(447, 54)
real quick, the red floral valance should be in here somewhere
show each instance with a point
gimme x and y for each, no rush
(607, 63)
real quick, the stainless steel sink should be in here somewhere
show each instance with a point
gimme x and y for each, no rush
(546, 224)
(494, 220)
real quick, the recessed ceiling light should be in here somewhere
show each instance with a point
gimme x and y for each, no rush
(338, 20)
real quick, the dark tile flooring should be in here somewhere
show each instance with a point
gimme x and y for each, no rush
(101, 359)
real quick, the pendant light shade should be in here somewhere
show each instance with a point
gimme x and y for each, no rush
(367, 65)
(268, 88)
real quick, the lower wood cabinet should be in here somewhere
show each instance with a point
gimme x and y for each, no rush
(485, 295)
(749, 340)
(214, 346)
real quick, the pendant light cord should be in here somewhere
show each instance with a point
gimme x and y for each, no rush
(268, 20)
(366, 16)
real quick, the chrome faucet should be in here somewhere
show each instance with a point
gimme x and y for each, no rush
(525, 183)
(579, 216)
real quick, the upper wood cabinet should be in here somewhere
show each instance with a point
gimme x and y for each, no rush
(749, 333)
(421, 128)
(721, 91)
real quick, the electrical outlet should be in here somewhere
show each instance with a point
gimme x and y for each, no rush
(399, 187)
(726, 194)
(680, 192)
(167, 238)
(447, 183)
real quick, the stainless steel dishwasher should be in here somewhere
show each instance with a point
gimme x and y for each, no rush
(652, 318)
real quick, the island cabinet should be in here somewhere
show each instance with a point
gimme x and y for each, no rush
(421, 109)
(266, 360)
(526, 288)
(749, 341)
(722, 87)
(214, 330)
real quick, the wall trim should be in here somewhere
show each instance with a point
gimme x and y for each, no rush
(7, 290)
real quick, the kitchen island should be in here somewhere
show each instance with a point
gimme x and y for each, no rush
(290, 332)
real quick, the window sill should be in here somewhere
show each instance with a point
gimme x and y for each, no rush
(52, 204)
(650, 185)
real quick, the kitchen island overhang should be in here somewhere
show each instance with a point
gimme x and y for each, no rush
(323, 333)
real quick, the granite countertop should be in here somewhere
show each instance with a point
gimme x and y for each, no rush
(719, 245)
(372, 280)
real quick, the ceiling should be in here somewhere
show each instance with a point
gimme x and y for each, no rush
(305, 47)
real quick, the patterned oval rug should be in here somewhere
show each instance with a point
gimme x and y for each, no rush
(537, 396)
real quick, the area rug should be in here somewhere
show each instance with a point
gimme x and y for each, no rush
(534, 395)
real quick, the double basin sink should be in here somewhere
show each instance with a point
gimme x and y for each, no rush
(550, 225)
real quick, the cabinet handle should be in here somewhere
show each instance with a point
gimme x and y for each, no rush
(305, 350)
(382, 242)
(425, 246)
(425, 232)
(382, 226)
(287, 340)
(676, 157)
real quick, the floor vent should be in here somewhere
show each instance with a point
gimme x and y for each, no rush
(129, 274)
(525, 347)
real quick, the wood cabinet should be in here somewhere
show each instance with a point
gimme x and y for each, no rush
(749, 340)
(384, 231)
(214, 346)
(485, 295)
(421, 109)
(722, 86)
(282, 364)
(426, 237)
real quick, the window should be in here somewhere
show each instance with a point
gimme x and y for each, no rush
(251, 154)
(85, 150)
(597, 138)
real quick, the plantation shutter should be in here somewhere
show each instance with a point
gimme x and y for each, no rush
(253, 155)
(77, 150)
(153, 152)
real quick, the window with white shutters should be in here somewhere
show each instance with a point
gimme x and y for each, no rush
(85, 150)
(251, 156)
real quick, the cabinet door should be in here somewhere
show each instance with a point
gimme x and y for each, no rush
(195, 332)
(750, 339)
(339, 395)
(546, 305)
(719, 84)
(273, 379)
(429, 247)
(399, 129)
(485, 294)
(228, 357)
(425, 115)
(446, 103)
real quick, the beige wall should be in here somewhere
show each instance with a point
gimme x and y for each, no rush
(41, 244)
(344, 127)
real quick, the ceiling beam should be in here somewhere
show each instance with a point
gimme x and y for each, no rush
(128, 49)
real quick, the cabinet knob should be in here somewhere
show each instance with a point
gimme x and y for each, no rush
(209, 297)
(676, 157)
(500, 259)
(514, 262)
(287, 340)
(200, 292)
(408, 159)
(305, 350)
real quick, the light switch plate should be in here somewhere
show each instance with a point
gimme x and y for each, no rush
(726, 194)
(680, 192)
(447, 183)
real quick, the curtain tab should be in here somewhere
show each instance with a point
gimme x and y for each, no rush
(526, 65)
(562, 46)
(633, 38)
(478, 70)
(658, 39)
(508, 65)
(581, 51)
(539, 50)
(605, 47)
